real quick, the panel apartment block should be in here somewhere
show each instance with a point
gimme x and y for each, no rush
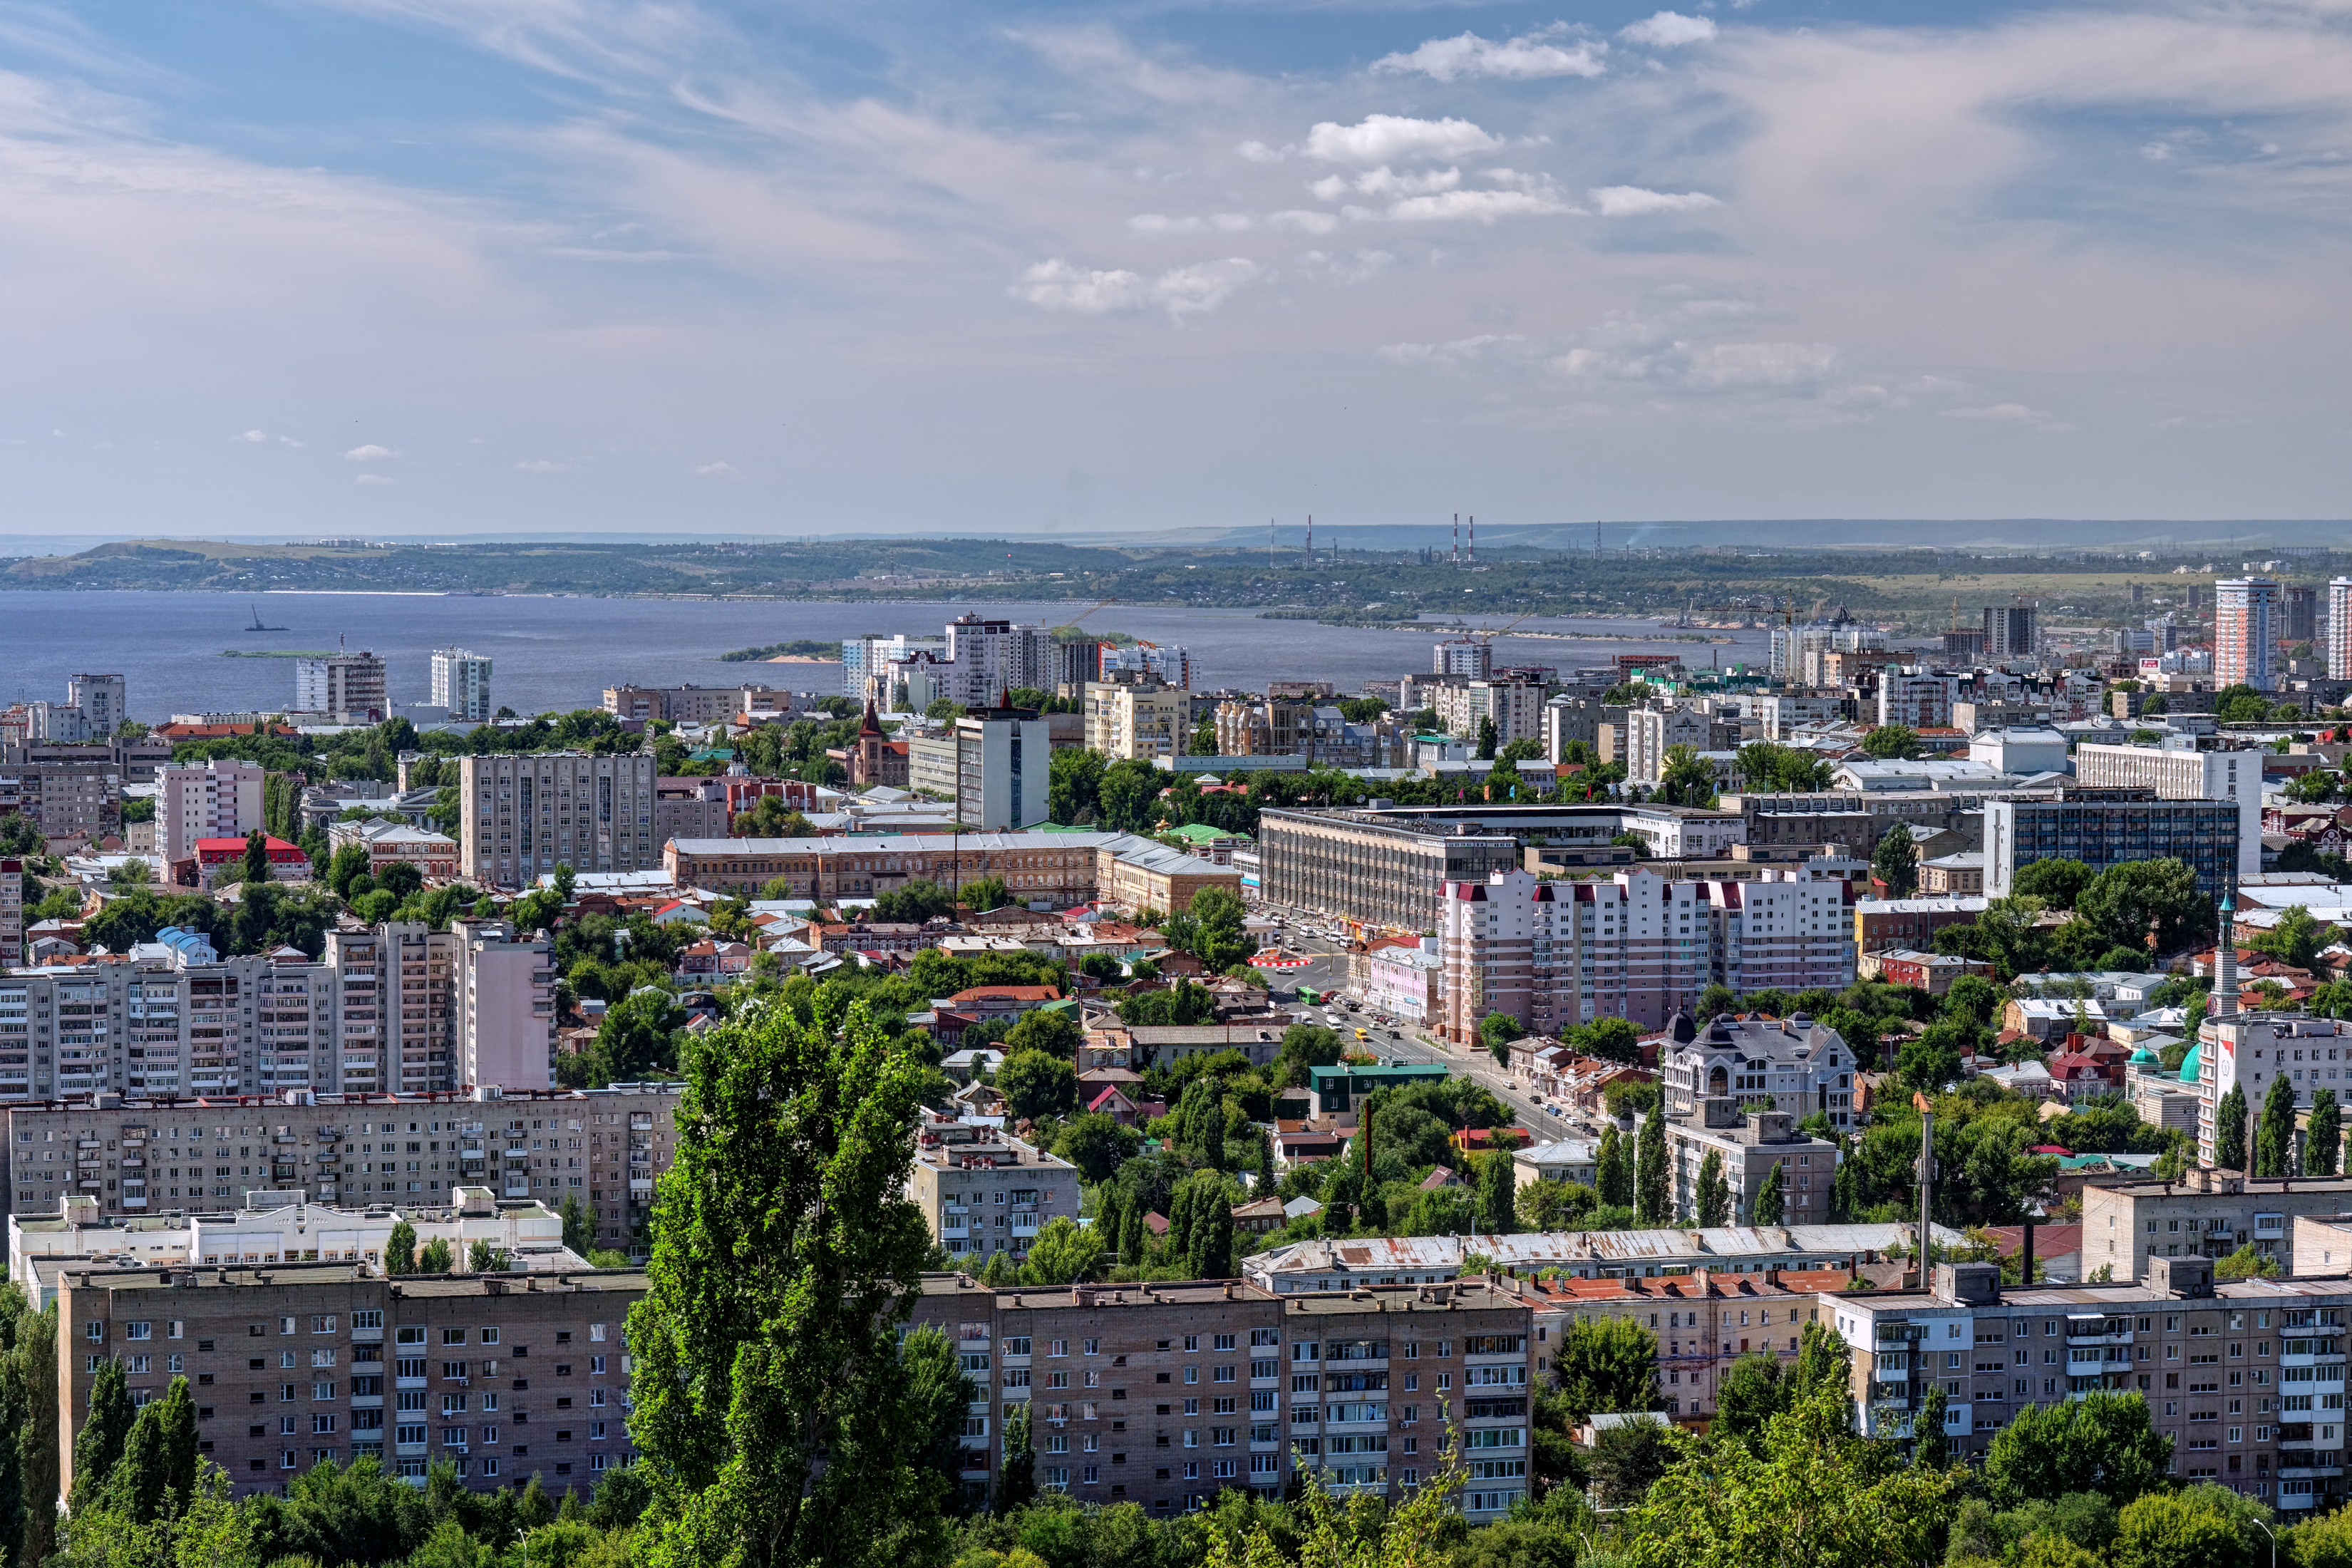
(607, 1146)
(524, 815)
(979, 1198)
(505, 1376)
(1164, 1395)
(65, 797)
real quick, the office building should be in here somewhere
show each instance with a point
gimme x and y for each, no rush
(65, 798)
(172, 1154)
(2246, 621)
(461, 685)
(2183, 773)
(2233, 1372)
(491, 1338)
(1371, 868)
(350, 686)
(524, 815)
(1470, 658)
(991, 763)
(216, 799)
(1750, 1143)
(2203, 833)
(2339, 628)
(1133, 720)
(1161, 1395)
(2009, 632)
(989, 1196)
(1797, 1066)
(1555, 955)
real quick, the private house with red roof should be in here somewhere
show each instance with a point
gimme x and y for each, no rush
(218, 860)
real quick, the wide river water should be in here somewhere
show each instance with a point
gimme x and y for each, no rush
(562, 653)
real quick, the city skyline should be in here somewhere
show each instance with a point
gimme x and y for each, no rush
(427, 266)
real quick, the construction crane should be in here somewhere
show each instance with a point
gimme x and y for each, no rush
(1499, 631)
(1072, 624)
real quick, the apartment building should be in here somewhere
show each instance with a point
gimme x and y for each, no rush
(1553, 955)
(2184, 774)
(2339, 628)
(11, 911)
(172, 1156)
(216, 799)
(93, 708)
(524, 815)
(1651, 732)
(1473, 658)
(993, 1197)
(1920, 701)
(1053, 868)
(2203, 833)
(2247, 619)
(2245, 1377)
(461, 685)
(2011, 631)
(346, 684)
(1165, 1394)
(1356, 1263)
(992, 764)
(64, 798)
(1128, 719)
(288, 1367)
(2206, 1214)
(1512, 701)
(1749, 1143)
(864, 662)
(1373, 869)
(692, 704)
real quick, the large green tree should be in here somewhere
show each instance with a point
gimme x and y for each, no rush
(400, 1248)
(28, 1429)
(939, 1394)
(773, 1405)
(1614, 1175)
(98, 1447)
(1896, 861)
(1016, 1486)
(2323, 1134)
(1607, 1367)
(1771, 1200)
(2123, 903)
(1652, 1197)
(1498, 1187)
(2230, 1130)
(2274, 1132)
(1038, 1085)
(1714, 1191)
(2103, 1443)
(158, 1473)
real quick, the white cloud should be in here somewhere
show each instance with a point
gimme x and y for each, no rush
(1181, 291)
(1216, 223)
(1259, 153)
(1632, 201)
(1460, 351)
(257, 437)
(1669, 30)
(541, 466)
(1524, 59)
(718, 470)
(2011, 413)
(369, 453)
(1388, 138)
(1481, 206)
(370, 479)
(1302, 221)
(1385, 181)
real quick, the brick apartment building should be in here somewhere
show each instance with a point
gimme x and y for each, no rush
(506, 1376)
(1163, 1394)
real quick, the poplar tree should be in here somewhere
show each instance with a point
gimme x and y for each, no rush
(2323, 1136)
(158, 1472)
(1929, 1448)
(774, 1412)
(1016, 1486)
(1652, 1200)
(437, 1258)
(2274, 1133)
(1714, 1191)
(400, 1248)
(1498, 1192)
(97, 1448)
(1613, 1175)
(2230, 1130)
(1769, 1199)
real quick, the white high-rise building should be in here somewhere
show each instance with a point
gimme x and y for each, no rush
(92, 709)
(461, 685)
(2246, 621)
(217, 799)
(350, 683)
(2339, 629)
(524, 815)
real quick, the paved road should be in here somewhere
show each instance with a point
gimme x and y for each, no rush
(1328, 974)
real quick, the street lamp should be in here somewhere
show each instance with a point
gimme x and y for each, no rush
(2266, 1529)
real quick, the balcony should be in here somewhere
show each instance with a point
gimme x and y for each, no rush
(2308, 1472)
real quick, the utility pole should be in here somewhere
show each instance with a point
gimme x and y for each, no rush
(1927, 1181)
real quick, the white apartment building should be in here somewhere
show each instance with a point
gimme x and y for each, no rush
(1170, 664)
(2185, 774)
(2339, 628)
(216, 799)
(1782, 712)
(865, 661)
(1683, 832)
(524, 815)
(1651, 732)
(461, 685)
(92, 710)
(1473, 657)
(1920, 701)
(2247, 619)
(989, 658)
(1123, 720)
(343, 683)
(1553, 955)
(1516, 707)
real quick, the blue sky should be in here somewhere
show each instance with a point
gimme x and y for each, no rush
(428, 266)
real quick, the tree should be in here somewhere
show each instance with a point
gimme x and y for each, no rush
(772, 1403)
(1498, 1187)
(1095, 1145)
(98, 1447)
(1038, 1085)
(1607, 1367)
(2230, 1130)
(1057, 1033)
(256, 858)
(1652, 1201)
(483, 1256)
(984, 894)
(1823, 1362)
(1718, 998)
(1926, 1062)
(2103, 1444)
(1896, 861)
(1714, 1191)
(1931, 1448)
(1200, 1226)
(1061, 1252)
(579, 1224)
(157, 1474)
(2246, 1264)
(1627, 1460)
(1613, 1174)
(1815, 1495)
(1766, 1207)
(2323, 1136)
(637, 1037)
(2297, 939)
(1305, 1046)
(400, 1248)
(28, 1409)
(1687, 778)
(437, 1257)
(2124, 903)
(1016, 1487)
(2199, 1527)
(1612, 1040)
(938, 1393)
(1486, 739)
(2056, 882)
(2274, 1133)
(1891, 740)
(1496, 1032)
(1750, 1394)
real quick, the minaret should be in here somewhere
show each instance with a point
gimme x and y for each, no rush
(2225, 958)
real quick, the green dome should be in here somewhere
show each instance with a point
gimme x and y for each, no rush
(2188, 1063)
(2144, 1058)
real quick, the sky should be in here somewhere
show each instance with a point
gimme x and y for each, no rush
(309, 268)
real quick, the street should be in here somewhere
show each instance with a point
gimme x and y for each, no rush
(1328, 975)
